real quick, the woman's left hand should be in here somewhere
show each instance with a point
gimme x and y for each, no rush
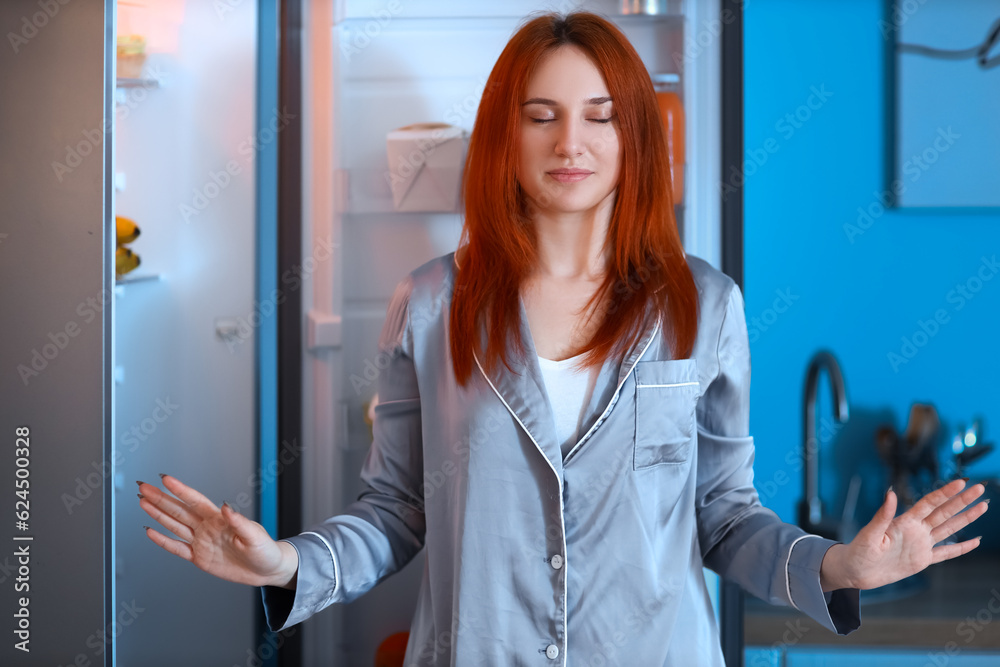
(893, 547)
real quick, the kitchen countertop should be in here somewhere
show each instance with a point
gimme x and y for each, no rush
(961, 604)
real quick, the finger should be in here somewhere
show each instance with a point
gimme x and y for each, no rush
(201, 505)
(176, 547)
(955, 504)
(923, 507)
(958, 522)
(947, 551)
(180, 511)
(170, 523)
(244, 528)
(884, 516)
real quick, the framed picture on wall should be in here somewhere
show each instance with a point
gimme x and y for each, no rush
(946, 112)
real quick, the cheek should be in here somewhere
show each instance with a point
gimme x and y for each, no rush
(528, 161)
(525, 174)
(607, 145)
(612, 155)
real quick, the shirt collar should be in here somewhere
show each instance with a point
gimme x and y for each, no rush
(522, 388)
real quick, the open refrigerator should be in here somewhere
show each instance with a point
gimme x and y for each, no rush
(371, 67)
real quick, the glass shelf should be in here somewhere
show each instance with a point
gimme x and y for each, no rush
(128, 280)
(436, 16)
(123, 82)
(665, 78)
(367, 11)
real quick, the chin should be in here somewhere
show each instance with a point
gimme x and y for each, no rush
(572, 204)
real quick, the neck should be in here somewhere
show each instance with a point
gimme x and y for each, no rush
(571, 245)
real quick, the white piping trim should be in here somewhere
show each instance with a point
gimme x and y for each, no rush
(336, 565)
(562, 519)
(565, 578)
(614, 396)
(788, 582)
(514, 414)
(675, 384)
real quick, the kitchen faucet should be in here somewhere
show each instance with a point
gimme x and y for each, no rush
(811, 518)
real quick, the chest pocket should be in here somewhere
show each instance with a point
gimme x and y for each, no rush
(666, 395)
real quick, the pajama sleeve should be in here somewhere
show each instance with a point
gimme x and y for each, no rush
(741, 539)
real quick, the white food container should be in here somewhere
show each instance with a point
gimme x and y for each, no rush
(426, 161)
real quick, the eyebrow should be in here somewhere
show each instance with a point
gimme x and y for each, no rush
(552, 103)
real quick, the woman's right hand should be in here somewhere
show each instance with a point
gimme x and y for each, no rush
(221, 542)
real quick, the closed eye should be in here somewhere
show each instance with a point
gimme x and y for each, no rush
(549, 120)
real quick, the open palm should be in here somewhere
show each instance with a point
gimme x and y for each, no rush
(221, 542)
(893, 547)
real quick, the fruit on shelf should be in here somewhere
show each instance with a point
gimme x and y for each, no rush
(125, 261)
(126, 230)
(131, 56)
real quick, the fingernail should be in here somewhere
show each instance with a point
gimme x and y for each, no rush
(138, 482)
(965, 479)
(162, 475)
(145, 527)
(978, 537)
(987, 501)
(140, 496)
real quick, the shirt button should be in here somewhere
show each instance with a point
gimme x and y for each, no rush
(556, 562)
(552, 651)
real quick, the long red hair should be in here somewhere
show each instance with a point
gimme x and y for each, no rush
(497, 250)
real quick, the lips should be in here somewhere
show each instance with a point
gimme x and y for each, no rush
(569, 175)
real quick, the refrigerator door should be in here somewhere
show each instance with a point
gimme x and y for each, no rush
(56, 390)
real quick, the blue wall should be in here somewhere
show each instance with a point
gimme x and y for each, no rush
(857, 294)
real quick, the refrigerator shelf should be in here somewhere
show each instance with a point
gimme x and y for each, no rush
(447, 21)
(124, 82)
(367, 10)
(128, 280)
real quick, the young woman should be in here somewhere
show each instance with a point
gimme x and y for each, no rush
(564, 420)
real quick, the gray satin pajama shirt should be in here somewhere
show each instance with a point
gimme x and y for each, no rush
(537, 559)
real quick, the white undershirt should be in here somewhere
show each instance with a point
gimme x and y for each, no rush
(569, 393)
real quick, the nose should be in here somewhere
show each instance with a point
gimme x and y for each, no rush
(569, 141)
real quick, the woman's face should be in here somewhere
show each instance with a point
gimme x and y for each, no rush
(569, 140)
